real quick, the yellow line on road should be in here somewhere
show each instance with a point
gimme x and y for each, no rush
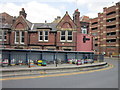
(55, 75)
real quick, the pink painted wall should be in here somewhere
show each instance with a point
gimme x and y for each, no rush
(81, 46)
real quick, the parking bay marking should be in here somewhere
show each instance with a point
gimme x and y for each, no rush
(55, 75)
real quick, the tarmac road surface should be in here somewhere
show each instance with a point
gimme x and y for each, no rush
(107, 78)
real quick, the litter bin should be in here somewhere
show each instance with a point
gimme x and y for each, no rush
(39, 62)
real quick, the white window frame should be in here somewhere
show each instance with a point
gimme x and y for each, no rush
(66, 37)
(20, 33)
(61, 36)
(46, 35)
(69, 35)
(43, 36)
(40, 35)
(5, 35)
(84, 30)
(18, 37)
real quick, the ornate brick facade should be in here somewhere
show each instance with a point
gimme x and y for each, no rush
(63, 35)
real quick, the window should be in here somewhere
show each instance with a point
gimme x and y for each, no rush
(17, 37)
(95, 28)
(110, 13)
(70, 35)
(5, 35)
(43, 35)
(111, 40)
(0, 35)
(111, 33)
(112, 26)
(84, 30)
(96, 44)
(111, 46)
(96, 39)
(94, 34)
(110, 20)
(62, 35)
(22, 37)
(66, 36)
(94, 23)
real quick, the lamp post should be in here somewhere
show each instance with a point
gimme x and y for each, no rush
(29, 59)
(56, 59)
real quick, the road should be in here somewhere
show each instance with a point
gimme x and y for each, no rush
(107, 78)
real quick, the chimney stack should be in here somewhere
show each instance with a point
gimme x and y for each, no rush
(76, 19)
(22, 12)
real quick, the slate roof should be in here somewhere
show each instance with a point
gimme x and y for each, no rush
(51, 26)
(5, 26)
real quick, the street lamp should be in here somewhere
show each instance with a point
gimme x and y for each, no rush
(29, 59)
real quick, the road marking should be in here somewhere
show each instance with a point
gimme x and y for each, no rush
(55, 75)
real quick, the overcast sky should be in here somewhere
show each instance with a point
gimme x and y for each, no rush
(40, 10)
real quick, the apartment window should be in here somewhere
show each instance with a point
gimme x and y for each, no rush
(43, 35)
(111, 33)
(96, 44)
(69, 35)
(17, 37)
(111, 46)
(96, 39)
(95, 28)
(111, 40)
(62, 35)
(111, 26)
(94, 34)
(94, 23)
(110, 20)
(66, 36)
(110, 13)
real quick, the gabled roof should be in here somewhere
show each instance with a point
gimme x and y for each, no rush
(66, 19)
(18, 20)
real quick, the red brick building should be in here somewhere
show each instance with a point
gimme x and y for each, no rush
(64, 34)
(106, 31)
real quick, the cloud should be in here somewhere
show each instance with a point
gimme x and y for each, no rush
(41, 10)
(93, 7)
(36, 12)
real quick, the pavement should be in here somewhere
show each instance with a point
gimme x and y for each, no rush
(18, 67)
(102, 78)
(25, 70)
